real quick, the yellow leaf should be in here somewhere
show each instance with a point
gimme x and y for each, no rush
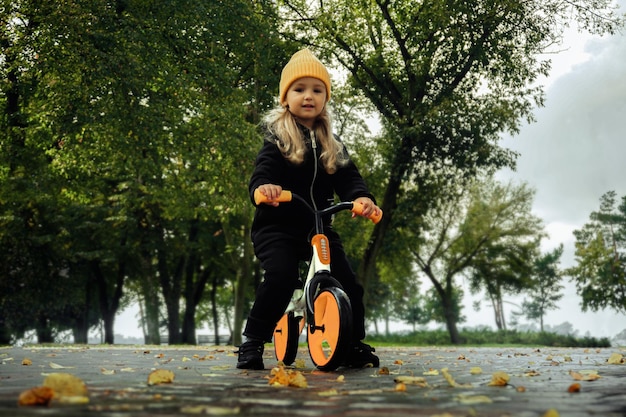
(300, 364)
(341, 378)
(476, 370)
(431, 372)
(451, 381)
(474, 399)
(107, 371)
(585, 375)
(328, 393)
(616, 359)
(27, 362)
(401, 387)
(287, 378)
(160, 376)
(186, 359)
(551, 413)
(499, 379)
(411, 380)
(57, 366)
(65, 384)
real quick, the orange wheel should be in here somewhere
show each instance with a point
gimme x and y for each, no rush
(286, 335)
(329, 339)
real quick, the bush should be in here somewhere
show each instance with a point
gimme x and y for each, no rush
(485, 336)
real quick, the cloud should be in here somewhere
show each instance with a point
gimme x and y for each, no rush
(574, 153)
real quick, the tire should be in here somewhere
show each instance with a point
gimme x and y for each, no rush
(286, 337)
(329, 339)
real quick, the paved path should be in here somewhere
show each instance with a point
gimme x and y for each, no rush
(207, 383)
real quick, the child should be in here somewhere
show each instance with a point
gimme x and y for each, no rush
(298, 129)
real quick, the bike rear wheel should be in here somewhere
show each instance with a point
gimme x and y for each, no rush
(329, 338)
(286, 337)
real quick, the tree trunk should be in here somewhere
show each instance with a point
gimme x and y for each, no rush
(108, 304)
(151, 316)
(242, 283)
(43, 330)
(171, 287)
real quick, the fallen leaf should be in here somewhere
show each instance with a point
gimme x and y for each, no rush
(476, 370)
(451, 380)
(300, 364)
(575, 387)
(383, 371)
(585, 375)
(551, 413)
(287, 378)
(341, 378)
(210, 410)
(473, 399)
(160, 376)
(520, 388)
(57, 366)
(66, 385)
(398, 362)
(499, 379)
(411, 380)
(401, 387)
(531, 372)
(431, 372)
(186, 359)
(36, 396)
(328, 393)
(104, 371)
(27, 362)
(616, 359)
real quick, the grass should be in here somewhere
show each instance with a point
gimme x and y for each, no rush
(486, 337)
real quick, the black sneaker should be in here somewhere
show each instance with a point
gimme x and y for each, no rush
(361, 356)
(251, 355)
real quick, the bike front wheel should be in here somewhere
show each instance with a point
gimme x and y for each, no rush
(329, 338)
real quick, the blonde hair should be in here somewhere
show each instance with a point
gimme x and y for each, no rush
(283, 125)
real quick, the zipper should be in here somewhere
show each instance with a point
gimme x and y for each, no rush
(314, 148)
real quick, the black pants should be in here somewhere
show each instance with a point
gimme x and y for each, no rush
(280, 261)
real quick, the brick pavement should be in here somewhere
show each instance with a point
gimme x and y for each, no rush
(207, 383)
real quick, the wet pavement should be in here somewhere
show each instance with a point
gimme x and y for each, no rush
(412, 381)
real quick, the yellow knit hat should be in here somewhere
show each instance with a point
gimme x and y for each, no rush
(303, 64)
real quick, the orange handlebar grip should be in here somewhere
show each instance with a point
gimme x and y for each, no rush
(357, 209)
(285, 196)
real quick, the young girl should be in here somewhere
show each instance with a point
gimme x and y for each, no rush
(280, 233)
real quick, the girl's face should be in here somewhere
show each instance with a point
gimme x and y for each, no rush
(306, 99)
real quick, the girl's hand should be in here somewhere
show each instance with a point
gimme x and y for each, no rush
(369, 207)
(271, 191)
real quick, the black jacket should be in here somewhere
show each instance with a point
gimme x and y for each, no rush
(271, 167)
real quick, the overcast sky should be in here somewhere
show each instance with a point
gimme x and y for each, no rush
(572, 154)
(575, 152)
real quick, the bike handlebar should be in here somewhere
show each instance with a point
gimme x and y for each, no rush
(286, 196)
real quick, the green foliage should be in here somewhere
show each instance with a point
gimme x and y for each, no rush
(600, 270)
(546, 287)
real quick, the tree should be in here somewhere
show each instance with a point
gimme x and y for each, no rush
(545, 291)
(600, 256)
(459, 236)
(446, 77)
